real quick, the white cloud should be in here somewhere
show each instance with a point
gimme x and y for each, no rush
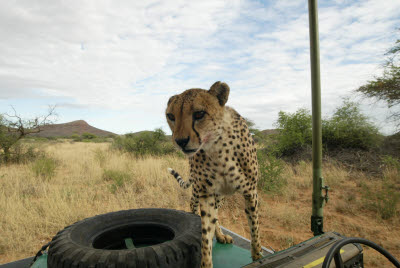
(130, 56)
(96, 51)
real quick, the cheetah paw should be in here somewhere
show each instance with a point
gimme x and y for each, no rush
(225, 239)
(256, 256)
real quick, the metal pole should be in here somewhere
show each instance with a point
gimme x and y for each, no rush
(317, 197)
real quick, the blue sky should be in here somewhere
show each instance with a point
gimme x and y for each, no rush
(116, 63)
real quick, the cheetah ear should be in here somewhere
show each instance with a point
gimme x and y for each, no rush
(221, 91)
(171, 99)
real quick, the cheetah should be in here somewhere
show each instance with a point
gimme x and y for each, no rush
(222, 159)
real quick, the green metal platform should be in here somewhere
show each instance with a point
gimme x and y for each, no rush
(229, 255)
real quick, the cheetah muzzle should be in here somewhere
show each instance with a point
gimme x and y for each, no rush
(222, 159)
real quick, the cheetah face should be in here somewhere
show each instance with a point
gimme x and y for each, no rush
(194, 117)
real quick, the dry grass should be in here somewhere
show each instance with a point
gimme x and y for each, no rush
(90, 179)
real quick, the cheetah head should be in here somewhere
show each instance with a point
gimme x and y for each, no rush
(195, 116)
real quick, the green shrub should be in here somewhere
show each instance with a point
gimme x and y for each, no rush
(37, 139)
(294, 131)
(76, 137)
(383, 201)
(88, 136)
(271, 170)
(29, 154)
(117, 177)
(391, 162)
(349, 128)
(44, 167)
(21, 153)
(153, 143)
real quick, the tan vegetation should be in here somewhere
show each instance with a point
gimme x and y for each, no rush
(91, 179)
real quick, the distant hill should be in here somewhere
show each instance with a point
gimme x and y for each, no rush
(135, 134)
(139, 133)
(67, 129)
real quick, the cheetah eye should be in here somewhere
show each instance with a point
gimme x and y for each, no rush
(171, 117)
(198, 115)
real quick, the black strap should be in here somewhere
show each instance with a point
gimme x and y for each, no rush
(334, 251)
(40, 253)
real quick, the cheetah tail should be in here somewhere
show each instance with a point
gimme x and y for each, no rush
(179, 179)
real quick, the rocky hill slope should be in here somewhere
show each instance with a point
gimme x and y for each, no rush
(67, 129)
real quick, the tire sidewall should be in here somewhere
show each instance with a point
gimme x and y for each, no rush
(73, 246)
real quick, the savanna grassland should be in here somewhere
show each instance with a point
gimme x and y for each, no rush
(76, 180)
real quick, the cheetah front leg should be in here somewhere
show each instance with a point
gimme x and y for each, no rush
(251, 203)
(221, 238)
(208, 221)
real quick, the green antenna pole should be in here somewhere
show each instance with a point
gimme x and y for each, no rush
(318, 185)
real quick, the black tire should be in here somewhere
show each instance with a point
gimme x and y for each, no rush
(171, 238)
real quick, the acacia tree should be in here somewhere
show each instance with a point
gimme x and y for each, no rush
(387, 87)
(13, 128)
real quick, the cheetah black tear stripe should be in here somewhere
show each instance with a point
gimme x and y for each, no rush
(197, 133)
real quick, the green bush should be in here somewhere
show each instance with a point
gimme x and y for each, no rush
(44, 167)
(391, 162)
(271, 170)
(153, 143)
(88, 136)
(294, 131)
(349, 128)
(37, 139)
(117, 177)
(383, 201)
(21, 153)
(76, 137)
(25, 154)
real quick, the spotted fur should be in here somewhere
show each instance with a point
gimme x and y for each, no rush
(222, 159)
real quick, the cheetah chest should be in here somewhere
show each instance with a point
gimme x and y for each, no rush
(219, 175)
(227, 179)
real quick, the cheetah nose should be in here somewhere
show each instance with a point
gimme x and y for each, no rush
(182, 142)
